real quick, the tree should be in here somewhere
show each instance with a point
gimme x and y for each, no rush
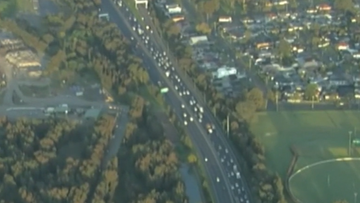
(311, 91)
(209, 7)
(256, 97)
(283, 49)
(203, 28)
(246, 111)
(192, 159)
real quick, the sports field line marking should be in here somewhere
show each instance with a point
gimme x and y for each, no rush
(316, 164)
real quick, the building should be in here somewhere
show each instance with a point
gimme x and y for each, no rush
(225, 19)
(173, 9)
(224, 71)
(23, 59)
(11, 44)
(198, 40)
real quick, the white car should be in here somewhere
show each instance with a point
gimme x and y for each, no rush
(185, 115)
(191, 119)
(182, 106)
(180, 94)
(176, 87)
(206, 159)
(226, 151)
(185, 122)
(217, 179)
(231, 160)
(187, 92)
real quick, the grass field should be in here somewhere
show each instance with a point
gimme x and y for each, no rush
(327, 182)
(317, 135)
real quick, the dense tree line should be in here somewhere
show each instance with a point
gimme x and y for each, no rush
(80, 43)
(149, 166)
(77, 43)
(266, 186)
(50, 160)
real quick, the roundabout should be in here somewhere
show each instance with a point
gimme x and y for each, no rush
(327, 181)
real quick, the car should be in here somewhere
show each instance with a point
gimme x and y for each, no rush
(187, 92)
(184, 115)
(185, 122)
(200, 120)
(206, 159)
(191, 119)
(176, 87)
(180, 94)
(231, 160)
(236, 185)
(182, 106)
(217, 179)
(222, 160)
(232, 187)
(226, 151)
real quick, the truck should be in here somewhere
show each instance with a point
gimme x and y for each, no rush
(209, 128)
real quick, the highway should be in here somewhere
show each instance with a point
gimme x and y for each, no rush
(229, 162)
(214, 152)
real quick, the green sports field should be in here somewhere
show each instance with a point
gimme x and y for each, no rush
(316, 135)
(327, 182)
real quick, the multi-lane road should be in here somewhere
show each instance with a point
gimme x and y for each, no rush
(214, 152)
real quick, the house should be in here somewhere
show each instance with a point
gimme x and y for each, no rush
(280, 2)
(337, 80)
(342, 46)
(323, 7)
(198, 40)
(177, 18)
(225, 19)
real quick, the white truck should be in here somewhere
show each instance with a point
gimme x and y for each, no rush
(209, 128)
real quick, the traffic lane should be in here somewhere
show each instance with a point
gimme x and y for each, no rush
(210, 166)
(226, 159)
(211, 169)
(220, 186)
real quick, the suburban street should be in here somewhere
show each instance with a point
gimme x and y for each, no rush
(214, 152)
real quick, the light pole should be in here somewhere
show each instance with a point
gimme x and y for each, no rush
(355, 197)
(312, 102)
(350, 134)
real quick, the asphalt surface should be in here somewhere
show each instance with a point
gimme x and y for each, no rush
(214, 151)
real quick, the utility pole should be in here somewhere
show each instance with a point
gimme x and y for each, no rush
(250, 63)
(355, 132)
(350, 134)
(228, 125)
(312, 102)
(277, 101)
